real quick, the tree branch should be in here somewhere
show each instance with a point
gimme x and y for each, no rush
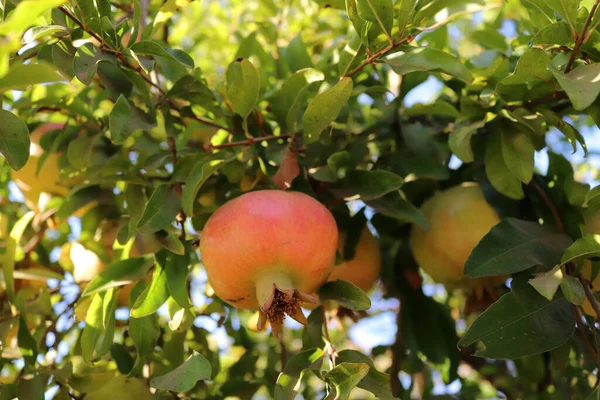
(329, 349)
(248, 142)
(376, 55)
(395, 385)
(121, 57)
(540, 191)
(581, 37)
(584, 334)
(181, 217)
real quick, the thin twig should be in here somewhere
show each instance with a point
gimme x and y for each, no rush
(329, 349)
(581, 37)
(395, 385)
(586, 339)
(584, 282)
(538, 189)
(206, 121)
(544, 100)
(181, 217)
(371, 59)
(121, 57)
(590, 295)
(248, 142)
(122, 7)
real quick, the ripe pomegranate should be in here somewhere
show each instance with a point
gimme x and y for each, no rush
(268, 250)
(458, 219)
(363, 269)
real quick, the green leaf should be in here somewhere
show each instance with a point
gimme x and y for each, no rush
(368, 185)
(119, 273)
(14, 140)
(572, 290)
(581, 84)
(194, 90)
(375, 382)
(325, 108)
(352, 55)
(567, 129)
(546, 283)
(176, 268)
(97, 335)
(312, 334)
(27, 344)
(518, 154)
(429, 59)
(291, 97)
(343, 378)
(498, 173)
(152, 48)
(26, 12)
(125, 118)
(394, 206)
(145, 333)
(157, 293)
(405, 13)
(39, 31)
(460, 139)
(515, 245)
(85, 63)
(531, 68)
(6, 325)
(337, 4)
(31, 388)
(287, 383)
(566, 9)
(161, 210)
(345, 293)
(555, 34)
(243, 86)
(296, 54)
(120, 355)
(203, 170)
(118, 119)
(21, 76)
(438, 108)
(120, 387)
(80, 150)
(378, 12)
(434, 336)
(8, 258)
(586, 247)
(184, 377)
(170, 242)
(166, 12)
(521, 323)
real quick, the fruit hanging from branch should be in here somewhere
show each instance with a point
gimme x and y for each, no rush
(363, 269)
(458, 218)
(268, 250)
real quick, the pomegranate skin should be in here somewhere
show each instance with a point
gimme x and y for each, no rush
(263, 234)
(363, 269)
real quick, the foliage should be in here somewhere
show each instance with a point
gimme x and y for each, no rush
(171, 108)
